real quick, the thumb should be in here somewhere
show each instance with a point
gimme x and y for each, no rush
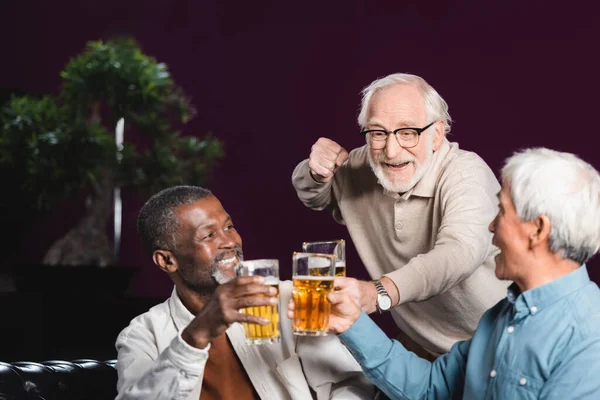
(341, 283)
(342, 157)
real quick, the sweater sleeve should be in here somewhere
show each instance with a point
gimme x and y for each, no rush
(312, 194)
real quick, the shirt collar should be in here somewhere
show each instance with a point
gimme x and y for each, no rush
(180, 314)
(426, 185)
(534, 300)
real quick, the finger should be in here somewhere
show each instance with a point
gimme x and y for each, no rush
(319, 169)
(343, 306)
(342, 157)
(237, 316)
(253, 301)
(254, 289)
(291, 305)
(336, 298)
(327, 144)
(246, 280)
(341, 283)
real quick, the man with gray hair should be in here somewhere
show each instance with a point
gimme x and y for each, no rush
(416, 207)
(193, 345)
(543, 340)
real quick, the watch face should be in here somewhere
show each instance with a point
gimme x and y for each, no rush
(384, 302)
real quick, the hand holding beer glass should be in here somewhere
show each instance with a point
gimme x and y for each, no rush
(262, 334)
(313, 275)
(335, 247)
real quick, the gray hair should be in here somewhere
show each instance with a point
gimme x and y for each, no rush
(564, 188)
(435, 106)
(157, 223)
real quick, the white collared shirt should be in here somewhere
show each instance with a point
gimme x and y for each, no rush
(154, 362)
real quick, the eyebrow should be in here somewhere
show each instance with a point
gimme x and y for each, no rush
(402, 123)
(211, 223)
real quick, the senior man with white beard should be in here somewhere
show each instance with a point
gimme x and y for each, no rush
(417, 209)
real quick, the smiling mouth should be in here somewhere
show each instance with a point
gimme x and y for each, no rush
(229, 260)
(397, 167)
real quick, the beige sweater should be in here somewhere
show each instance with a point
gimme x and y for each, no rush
(432, 241)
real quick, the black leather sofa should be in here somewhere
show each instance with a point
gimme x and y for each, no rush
(58, 380)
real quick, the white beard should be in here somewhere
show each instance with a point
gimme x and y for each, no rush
(220, 277)
(402, 187)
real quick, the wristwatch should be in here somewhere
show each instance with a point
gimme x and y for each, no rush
(384, 301)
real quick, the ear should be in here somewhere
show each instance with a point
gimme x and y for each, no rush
(540, 232)
(439, 134)
(165, 260)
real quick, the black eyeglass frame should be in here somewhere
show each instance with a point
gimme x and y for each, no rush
(395, 132)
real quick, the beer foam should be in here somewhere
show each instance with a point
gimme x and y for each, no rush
(272, 280)
(318, 262)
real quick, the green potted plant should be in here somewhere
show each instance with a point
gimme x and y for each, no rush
(53, 148)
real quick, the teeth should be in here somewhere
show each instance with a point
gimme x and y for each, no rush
(228, 260)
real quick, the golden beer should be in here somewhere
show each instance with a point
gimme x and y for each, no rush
(340, 268)
(312, 308)
(261, 334)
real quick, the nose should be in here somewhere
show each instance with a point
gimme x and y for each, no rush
(492, 225)
(227, 241)
(392, 147)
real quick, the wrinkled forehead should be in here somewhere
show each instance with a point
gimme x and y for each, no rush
(204, 211)
(401, 101)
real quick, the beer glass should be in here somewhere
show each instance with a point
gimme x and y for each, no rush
(312, 276)
(262, 334)
(335, 247)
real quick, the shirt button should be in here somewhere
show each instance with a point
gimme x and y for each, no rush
(523, 381)
(493, 373)
(533, 309)
(510, 329)
(398, 205)
(399, 225)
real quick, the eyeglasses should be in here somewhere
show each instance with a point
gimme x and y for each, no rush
(406, 137)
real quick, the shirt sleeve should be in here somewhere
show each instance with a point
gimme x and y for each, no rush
(314, 195)
(401, 374)
(331, 371)
(144, 374)
(576, 377)
(468, 201)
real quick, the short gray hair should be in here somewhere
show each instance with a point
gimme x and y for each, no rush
(435, 106)
(562, 187)
(157, 223)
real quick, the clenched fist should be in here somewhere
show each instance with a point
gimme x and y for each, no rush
(326, 156)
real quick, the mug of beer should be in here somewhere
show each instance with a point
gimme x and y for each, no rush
(312, 275)
(262, 334)
(335, 247)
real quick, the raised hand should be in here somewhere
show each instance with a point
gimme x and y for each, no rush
(222, 309)
(326, 156)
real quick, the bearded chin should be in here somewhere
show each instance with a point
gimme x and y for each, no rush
(217, 274)
(400, 187)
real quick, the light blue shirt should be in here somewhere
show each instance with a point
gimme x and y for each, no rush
(543, 343)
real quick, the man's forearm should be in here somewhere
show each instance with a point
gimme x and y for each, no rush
(400, 373)
(179, 367)
(313, 194)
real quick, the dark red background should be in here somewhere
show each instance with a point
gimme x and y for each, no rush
(270, 77)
